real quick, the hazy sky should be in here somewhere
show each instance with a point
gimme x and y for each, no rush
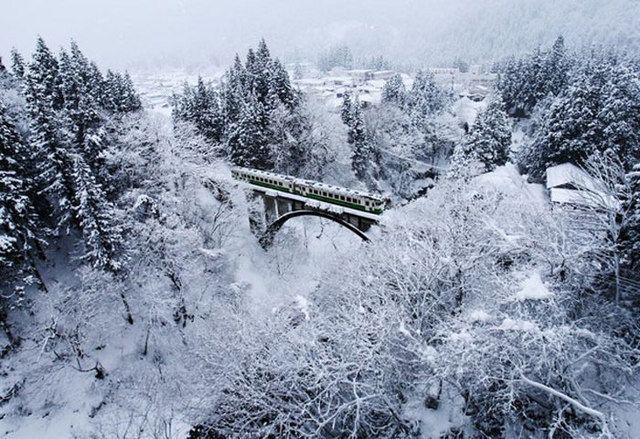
(126, 33)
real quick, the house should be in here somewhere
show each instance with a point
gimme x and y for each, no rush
(383, 74)
(567, 184)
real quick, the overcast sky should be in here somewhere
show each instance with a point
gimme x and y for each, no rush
(129, 33)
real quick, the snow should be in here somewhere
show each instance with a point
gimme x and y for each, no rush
(517, 325)
(478, 315)
(461, 336)
(436, 423)
(507, 180)
(533, 288)
(568, 174)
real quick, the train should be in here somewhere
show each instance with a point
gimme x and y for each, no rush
(310, 189)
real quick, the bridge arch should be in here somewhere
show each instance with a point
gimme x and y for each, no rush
(267, 238)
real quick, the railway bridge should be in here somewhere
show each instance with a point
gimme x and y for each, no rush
(286, 197)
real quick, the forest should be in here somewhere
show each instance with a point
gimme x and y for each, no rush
(137, 303)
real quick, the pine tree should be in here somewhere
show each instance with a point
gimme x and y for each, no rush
(119, 95)
(346, 109)
(281, 88)
(362, 158)
(632, 233)
(426, 97)
(525, 82)
(249, 135)
(81, 110)
(260, 70)
(130, 96)
(206, 113)
(232, 92)
(488, 143)
(556, 68)
(619, 114)
(18, 228)
(249, 142)
(50, 149)
(17, 64)
(95, 217)
(96, 84)
(490, 136)
(43, 75)
(573, 130)
(394, 91)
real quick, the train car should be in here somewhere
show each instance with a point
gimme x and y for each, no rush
(310, 189)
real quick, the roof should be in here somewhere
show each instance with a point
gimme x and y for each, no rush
(568, 175)
(568, 196)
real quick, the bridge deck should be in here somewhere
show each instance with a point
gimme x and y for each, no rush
(314, 204)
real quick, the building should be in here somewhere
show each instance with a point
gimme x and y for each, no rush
(569, 185)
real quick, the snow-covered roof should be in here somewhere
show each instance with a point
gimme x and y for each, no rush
(568, 196)
(568, 174)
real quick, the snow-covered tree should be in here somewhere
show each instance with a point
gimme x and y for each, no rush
(526, 81)
(249, 142)
(394, 91)
(17, 64)
(19, 229)
(200, 105)
(362, 161)
(632, 233)
(95, 216)
(119, 94)
(426, 97)
(227, 117)
(598, 112)
(50, 150)
(488, 141)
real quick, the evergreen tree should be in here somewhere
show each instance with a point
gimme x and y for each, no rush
(556, 68)
(232, 93)
(510, 82)
(363, 155)
(49, 142)
(632, 233)
(281, 88)
(17, 64)
(131, 99)
(619, 114)
(426, 97)
(119, 94)
(249, 142)
(257, 136)
(490, 136)
(18, 228)
(394, 91)
(206, 113)
(525, 82)
(346, 109)
(487, 145)
(96, 84)
(81, 110)
(43, 75)
(95, 217)
(260, 70)
(598, 112)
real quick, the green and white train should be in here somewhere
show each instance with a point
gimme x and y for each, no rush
(311, 189)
